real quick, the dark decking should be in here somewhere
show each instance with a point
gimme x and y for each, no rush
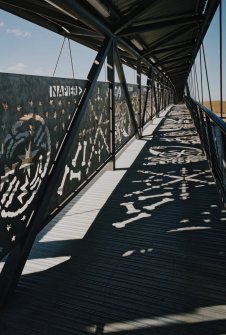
(152, 262)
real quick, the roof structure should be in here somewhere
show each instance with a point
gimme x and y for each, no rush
(164, 33)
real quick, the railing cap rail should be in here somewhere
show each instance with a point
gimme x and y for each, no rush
(216, 119)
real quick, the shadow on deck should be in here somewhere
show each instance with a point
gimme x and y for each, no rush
(153, 261)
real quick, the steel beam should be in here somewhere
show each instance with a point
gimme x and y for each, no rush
(174, 60)
(74, 8)
(173, 47)
(167, 38)
(179, 66)
(135, 12)
(169, 57)
(113, 9)
(159, 25)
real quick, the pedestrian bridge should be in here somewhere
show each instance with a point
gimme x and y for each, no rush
(112, 201)
(140, 251)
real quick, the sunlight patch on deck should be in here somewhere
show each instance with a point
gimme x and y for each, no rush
(76, 218)
(199, 315)
(188, 229)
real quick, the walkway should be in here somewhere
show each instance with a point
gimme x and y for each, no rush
(153, 261)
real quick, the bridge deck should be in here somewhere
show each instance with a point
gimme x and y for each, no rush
(152, 262)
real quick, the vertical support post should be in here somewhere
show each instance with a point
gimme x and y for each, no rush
(155, 98)
(221, 66)
(165, 95)
(17, 258)
(111, 80)
(122, 79)
(139, 96)
(200, 54)
(223, 143)
(210, 147)
(152, 91)
(188, 91)
(168, 96)
(192, 85)
(146, 98)
(193, 76)
(159, 95)
(207, 78)
(196, 79)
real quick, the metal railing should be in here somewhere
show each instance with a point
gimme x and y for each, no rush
(212, 132)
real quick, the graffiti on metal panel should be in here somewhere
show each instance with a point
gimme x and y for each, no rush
(149, 112)
(134, 96)
(35, 113)
(91, 147)
(24, 160)
(123, 126)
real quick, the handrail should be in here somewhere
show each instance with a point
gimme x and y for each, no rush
(216, 119)
(212, 132)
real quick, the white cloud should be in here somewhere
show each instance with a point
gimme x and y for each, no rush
(38, 71)
(19, 67)
(2, 23)
(49, 72)
(18, 32)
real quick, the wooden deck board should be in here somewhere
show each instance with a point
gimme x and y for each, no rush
(97, 270)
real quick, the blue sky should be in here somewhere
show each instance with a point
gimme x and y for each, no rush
(30, 49)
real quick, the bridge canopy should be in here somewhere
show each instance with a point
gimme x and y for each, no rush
(164, 33)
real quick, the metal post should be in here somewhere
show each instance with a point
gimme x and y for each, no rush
(151, 88)
(159, 96)
(146, 98)
(221, 66)
(163, 94)
(196, 79)
(17, 258)
(207, 78)
(111, 80)
(200, 54)
(193, 75)
(139, 96)
(165, 97)
(223, 143)
(155, 98)
(188, 91)
(192, 85)
(210, 147)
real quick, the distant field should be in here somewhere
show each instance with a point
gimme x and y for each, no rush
(216, 107)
